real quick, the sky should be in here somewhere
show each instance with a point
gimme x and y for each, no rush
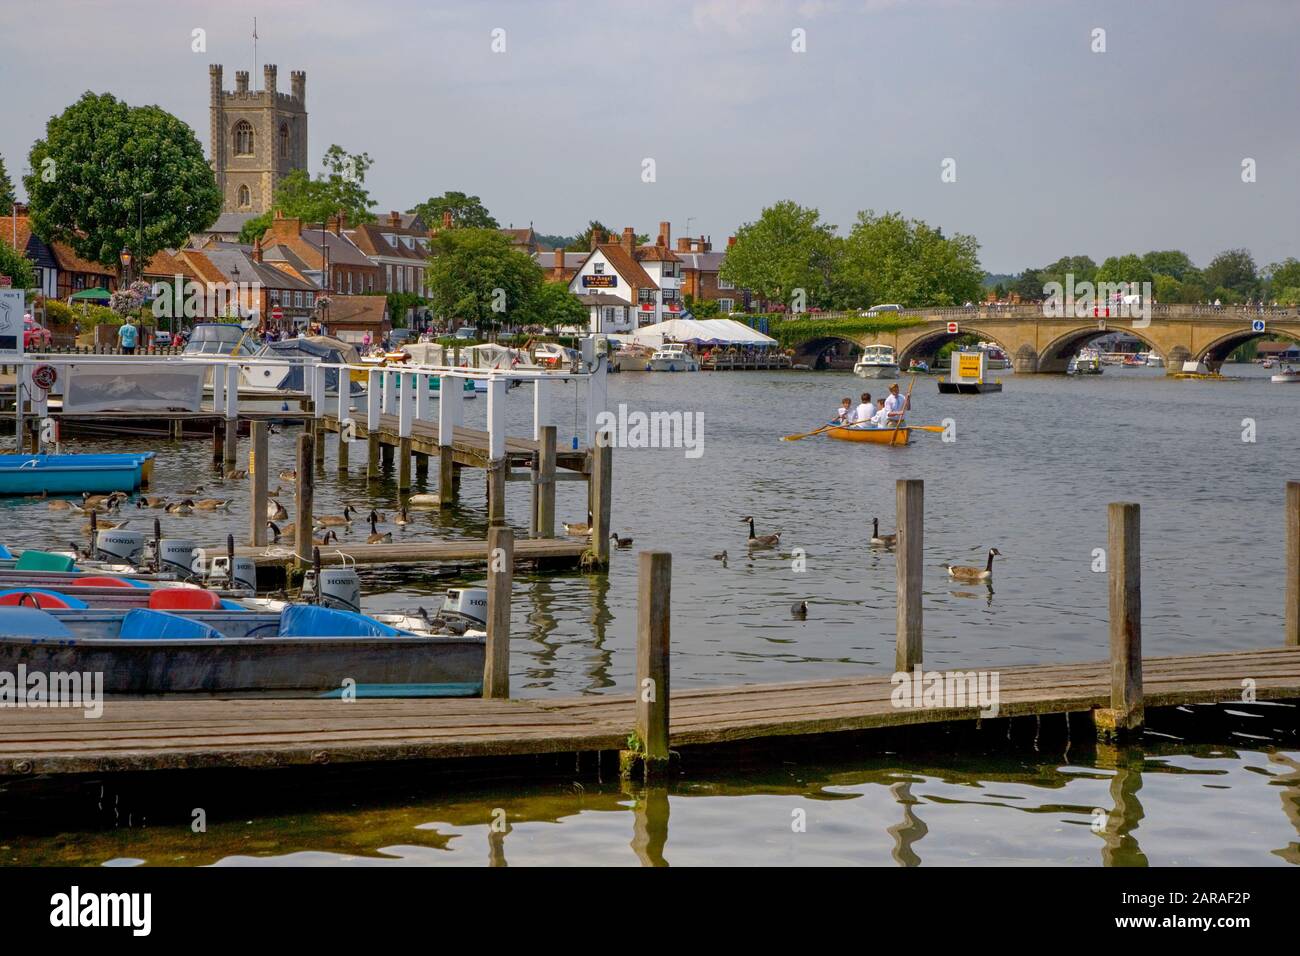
(1057, 149)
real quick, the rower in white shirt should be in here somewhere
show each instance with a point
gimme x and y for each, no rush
(863, 414)
(881, 418)
(896, 404)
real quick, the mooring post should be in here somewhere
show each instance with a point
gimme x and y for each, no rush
(232, 417)
(405, 423)
(344, 415)
(373, 389)
(910, 503)
(318, 414)
(1293, 564)
(601, 484)
(653, 609)
(450, 396)
(496, 660)
(218, 443)
(1124, 557)
(259, 466)
(498, 464)
(304, 491)
(546, 484)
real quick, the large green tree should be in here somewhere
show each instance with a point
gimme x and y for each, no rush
(552, 304)
(7, 197)
(1232, 269)
(1082, 268)
(1128, 268)
(892, 259)
(109, 177)
(341, 187)
(1285, 274)
(476, 276)
(1170, 262)
(788, 248)
(467, 212)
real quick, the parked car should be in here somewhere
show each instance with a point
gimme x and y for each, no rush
(35, 336)
(161, 337)
(399, 337)
(883, 309)
(466, 333)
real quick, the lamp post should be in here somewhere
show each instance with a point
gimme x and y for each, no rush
(125, 258)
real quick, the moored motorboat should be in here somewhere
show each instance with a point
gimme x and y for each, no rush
(672, 358)
(877, 361)
(1087, 362)
(1288, 375)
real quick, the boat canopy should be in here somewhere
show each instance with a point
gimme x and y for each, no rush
(492, 356)
(701, 332)
(220, 338)
(318, 348)
(426, 353)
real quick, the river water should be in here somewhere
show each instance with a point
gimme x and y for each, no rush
(1030, 472)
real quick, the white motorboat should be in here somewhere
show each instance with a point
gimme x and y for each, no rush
(996, 358)
(1087, 362)
(877, 361)
(1286, 376)
(1155, 360)
(672, 358)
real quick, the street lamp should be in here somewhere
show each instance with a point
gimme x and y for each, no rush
(125, 258)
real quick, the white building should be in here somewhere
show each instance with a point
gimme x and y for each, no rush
(645, 280)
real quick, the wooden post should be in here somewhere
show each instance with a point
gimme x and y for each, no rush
(421, 466)
(546, 484)
(910, 502)
(653, 608)
(372, 462)
(344, 414)
(446, 478)
(450, 398)
(232, 417)
(259, 465)
(343, 452)
(1293, 564)
(386, 454)
(1124, 557)
(404, 464)
(318, 440)
(501, 565)
(218, 443)
(304, 491)
(496, 480)
(600, 483)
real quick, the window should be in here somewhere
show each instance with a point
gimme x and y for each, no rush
(726, 305)
(598, 268)
(243, 138)
(297, 298)
(370, 283)
(645, 295)
(669, 295)
(724, 284)
(284, 140)
(388, 280)
(245, 197)
(273, 296)
(349, 283)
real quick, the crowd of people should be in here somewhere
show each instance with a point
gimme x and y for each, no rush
(887, 412)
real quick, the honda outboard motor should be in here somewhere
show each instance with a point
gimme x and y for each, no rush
(124, 547)
(176, 556)
(466, 607)
(340, 588)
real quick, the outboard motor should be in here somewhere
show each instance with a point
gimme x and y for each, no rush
(464, 608)
(244, 578)
(176, 556)
(340, 588)
(123, 547)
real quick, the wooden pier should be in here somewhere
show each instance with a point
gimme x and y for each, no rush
(648, 728)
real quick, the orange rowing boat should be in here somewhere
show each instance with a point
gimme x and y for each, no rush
(875, 436)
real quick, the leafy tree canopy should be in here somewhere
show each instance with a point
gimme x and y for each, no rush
(299, 196)
(1171, 262)
(7, 197)
(17, 267)
(1129, 268)
(892, 259)
(786, 249)
(108, 177)
(466, 211)
(1233, 269)
(476, 276)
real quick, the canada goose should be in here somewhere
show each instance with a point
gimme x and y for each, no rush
(336, 521)
(881, 540)
(236, 474)
(722, 556)
(151, 501)
(325, 539)
(213, 504)
(276, 534)
(58, 504)
(100, 502)
(799, 609)
(761, 540)
(376, 536)
(966, 573)
(185, 507)
(191, 492)
(103, 526)
(289, 474)
(621, 542)
(276, 511)
(402, 517)
(577, 530)
(277, 490)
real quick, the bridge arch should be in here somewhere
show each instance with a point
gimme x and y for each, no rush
(926, 345)
(1056, 355)
(1214, 354)
(812, 351)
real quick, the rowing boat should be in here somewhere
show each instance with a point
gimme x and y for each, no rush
(875, 436)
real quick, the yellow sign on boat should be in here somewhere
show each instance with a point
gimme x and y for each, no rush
(969, 365)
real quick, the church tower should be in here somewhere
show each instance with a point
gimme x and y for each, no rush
(257, 136)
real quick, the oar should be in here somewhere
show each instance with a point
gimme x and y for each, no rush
(926, 428)
(899, 423)
(815, 431)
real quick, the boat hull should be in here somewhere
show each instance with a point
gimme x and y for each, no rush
(1285, 379)
(672, 365)
(70, 474)
(872, 436)
(876, 371)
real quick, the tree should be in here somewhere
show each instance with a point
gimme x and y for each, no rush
(892, 259)
(552, 304)
(467, 212)
(1172, 262)
(1284, 275)
(298, 196)
(1028, 285)
(1129, 268)
(476, 276)
(582, 242)
(789, 248)
(110, 177)
(1232, 269)
(17, 267)
(1082, 268)
(7, 197)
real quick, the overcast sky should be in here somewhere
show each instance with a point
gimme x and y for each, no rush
(1058, 150)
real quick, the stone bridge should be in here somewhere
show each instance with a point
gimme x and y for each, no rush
(1038, 342)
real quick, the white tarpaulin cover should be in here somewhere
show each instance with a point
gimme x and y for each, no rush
(127, 387)
(701, 332)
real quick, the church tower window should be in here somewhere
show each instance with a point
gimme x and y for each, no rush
(243, 138)
(245, 197)
(284, 140)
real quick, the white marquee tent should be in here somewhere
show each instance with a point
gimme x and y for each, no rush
(701, 332)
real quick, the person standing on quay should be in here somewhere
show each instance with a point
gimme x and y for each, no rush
(126, 337)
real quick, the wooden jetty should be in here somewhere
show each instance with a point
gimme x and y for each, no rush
(167, 734)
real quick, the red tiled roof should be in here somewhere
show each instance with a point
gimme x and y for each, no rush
(656, 254)
(626, 266)
(69, 261)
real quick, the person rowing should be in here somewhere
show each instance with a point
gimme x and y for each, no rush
(844, 414)
(864, 413)
(896, 404)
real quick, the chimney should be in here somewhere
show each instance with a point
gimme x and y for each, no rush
(597, 237)
(666, 231)
(257, 250)
(559, 262)
(706, 245)
(446, 219)
(684, 244)
(283, 228)
(731, 241)
(241, 81)
(268, 78)
(395, 219)
(629, 239)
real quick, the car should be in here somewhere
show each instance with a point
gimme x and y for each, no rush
(400, 337)
(466, 333)
(883, 309)
(162, 337)
(35, 336)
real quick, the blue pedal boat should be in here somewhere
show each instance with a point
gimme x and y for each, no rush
(72, 474)
(303, 651)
